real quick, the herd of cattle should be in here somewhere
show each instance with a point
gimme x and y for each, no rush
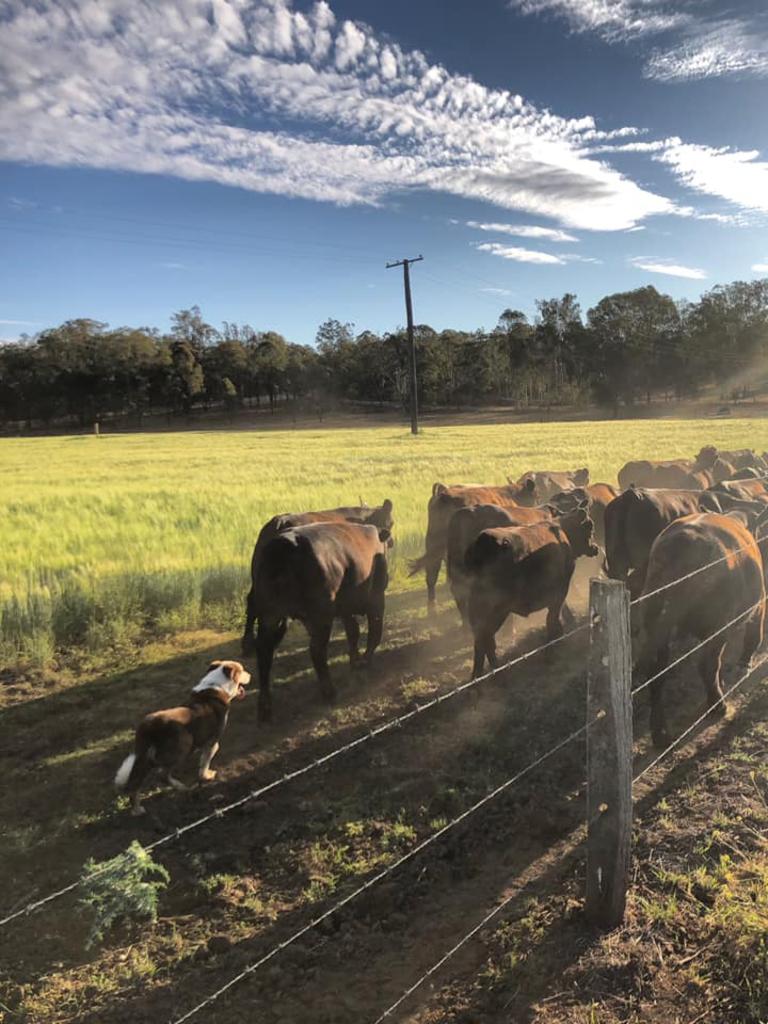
(512, 549)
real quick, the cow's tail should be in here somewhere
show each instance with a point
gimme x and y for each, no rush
(416, 565)
(479, 553)
(134, 768)
(616, 561)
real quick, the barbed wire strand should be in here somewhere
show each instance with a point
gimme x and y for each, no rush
(693, 572)
(700, 719)
(693, 650)
(316, 763)
(446, 957)
(386, 871)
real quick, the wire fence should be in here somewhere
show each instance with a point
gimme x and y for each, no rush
(386, 871)
(398, 721)
(319, 762)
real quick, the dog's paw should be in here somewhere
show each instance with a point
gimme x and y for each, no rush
(137, 811)
(208, 775)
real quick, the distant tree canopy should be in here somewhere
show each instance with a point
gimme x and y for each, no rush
(629, 346)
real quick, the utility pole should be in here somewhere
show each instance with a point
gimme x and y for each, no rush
(411, 344)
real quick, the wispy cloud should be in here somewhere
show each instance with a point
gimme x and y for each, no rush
(497, 291)
(19, 323)
(512, 252)
(524, 231)
(173, 266)
(736, 175)
(17, 203)
(668, 267)
(760, 268)
(704, 39)
(145, 88)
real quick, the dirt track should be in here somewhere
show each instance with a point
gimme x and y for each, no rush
(277, 855)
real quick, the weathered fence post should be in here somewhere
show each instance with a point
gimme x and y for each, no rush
(609, 753)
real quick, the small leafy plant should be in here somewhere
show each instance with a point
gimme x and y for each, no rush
(124, 888)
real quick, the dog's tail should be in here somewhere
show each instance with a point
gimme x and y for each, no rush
(131, 772)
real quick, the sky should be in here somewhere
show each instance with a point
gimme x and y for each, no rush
(265, 160)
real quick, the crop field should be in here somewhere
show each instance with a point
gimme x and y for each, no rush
(112, 539)
(115, 540)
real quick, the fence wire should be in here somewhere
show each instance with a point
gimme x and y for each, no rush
(698, 647)
(255, 794)
(251, 968)
(700, 719)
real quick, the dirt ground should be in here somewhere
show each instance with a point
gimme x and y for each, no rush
(244, 883)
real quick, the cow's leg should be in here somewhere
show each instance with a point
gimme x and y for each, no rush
(485, 641)
(636, 581)
(267, 640)
(434, 560)
(710, 665)
(555, 616)
(753, 636)
(319, 636)
(375, 618)
(248, 642)
(352, 629)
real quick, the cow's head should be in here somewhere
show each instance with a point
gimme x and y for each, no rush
(706, 458)
(567, 501)
(525, 492)
(385, 536)
(581, 477)
(381, 516)
(579, 529)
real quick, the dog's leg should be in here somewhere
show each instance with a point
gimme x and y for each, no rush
(136, 809)
(208, 753)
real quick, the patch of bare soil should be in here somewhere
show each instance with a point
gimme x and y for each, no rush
(245, 882)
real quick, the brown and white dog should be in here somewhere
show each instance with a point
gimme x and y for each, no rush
(166, 738)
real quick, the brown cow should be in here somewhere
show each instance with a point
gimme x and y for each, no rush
(634, 520)
(377, 515)
(468, 523)
(743, 489)
(597, 497)
(445, 500)
(318, 573)
(739, 458)
(548, 482)
(674, 473)
(519, 570)
(702, 604)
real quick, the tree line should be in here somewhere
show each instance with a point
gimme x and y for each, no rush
(630, 347)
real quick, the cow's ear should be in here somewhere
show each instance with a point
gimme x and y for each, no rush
(384, 535)
(437, 488)
(583, 505)
(386, 505)
(530, 485)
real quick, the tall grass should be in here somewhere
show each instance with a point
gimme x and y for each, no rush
(103, 539)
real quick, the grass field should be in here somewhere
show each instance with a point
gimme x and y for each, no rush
(108, 539)
(114, 538)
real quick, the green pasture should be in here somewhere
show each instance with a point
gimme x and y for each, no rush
(106, 538)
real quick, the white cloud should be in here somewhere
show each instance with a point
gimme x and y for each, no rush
(190, 89)
(524, 231)
(703, 39)
(663, 266)
(497, 291)
(18, 323)
(759, 268)
(613, 19)
(511, 252)
(736, 175)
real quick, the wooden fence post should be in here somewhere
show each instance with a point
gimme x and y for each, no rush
(609, 753)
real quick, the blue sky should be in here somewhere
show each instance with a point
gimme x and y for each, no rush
(265, 159)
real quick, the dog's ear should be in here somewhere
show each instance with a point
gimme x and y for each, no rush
(213, 665)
